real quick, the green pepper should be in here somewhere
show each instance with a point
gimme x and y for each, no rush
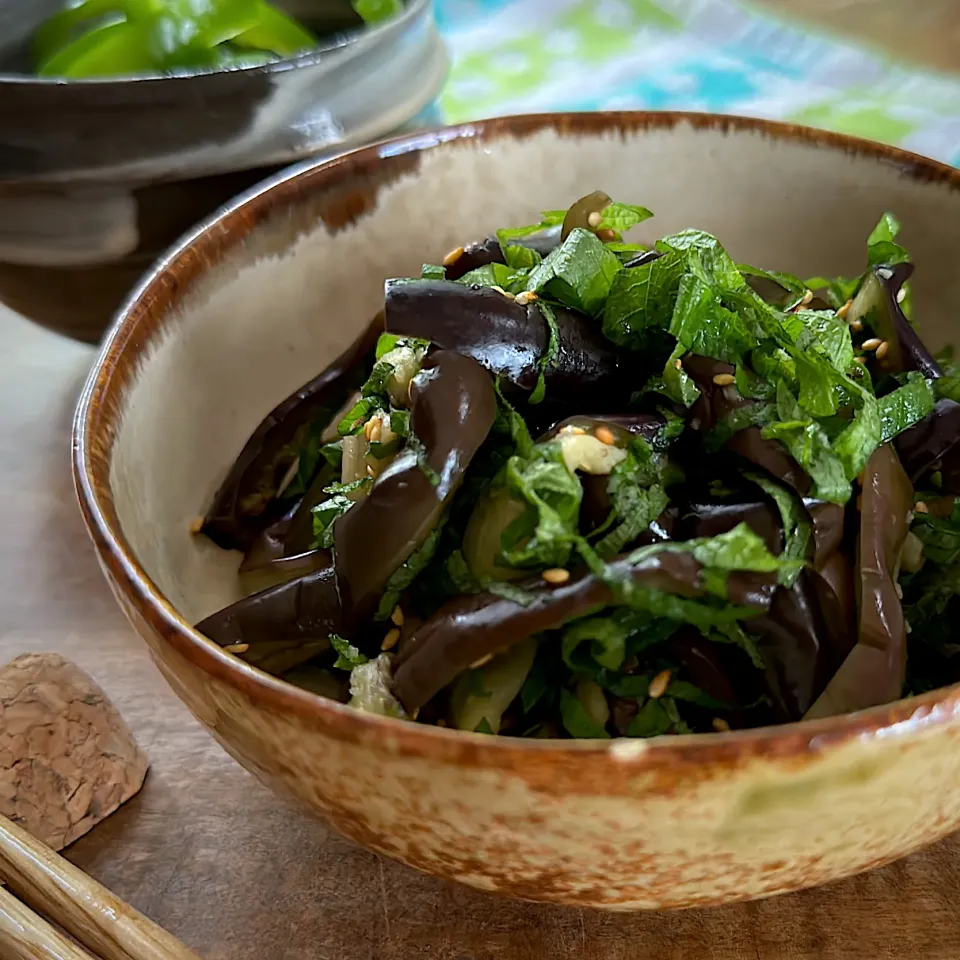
(114, 37)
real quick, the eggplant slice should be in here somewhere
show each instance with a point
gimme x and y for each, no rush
(469, 628)
(509, 338)
(245, 502)
(454, 407)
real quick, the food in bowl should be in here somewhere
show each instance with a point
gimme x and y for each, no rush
(105, 38)
(566, 485)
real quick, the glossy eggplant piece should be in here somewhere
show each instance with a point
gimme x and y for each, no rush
(623, 426)
(508, 338)
(700, 664)
(281, 569)
(486, 251)
(244, 504)
(874, 671)
(771, 456)
(829, 521)
(284, 625)
(712, 519)
(797, 645)
(472, 627)
(876, 306)
(453, 409)
(934, 438)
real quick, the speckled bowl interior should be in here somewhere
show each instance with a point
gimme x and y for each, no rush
(259, 301)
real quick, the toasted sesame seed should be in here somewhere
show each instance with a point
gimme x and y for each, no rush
(901, 295)
(605, 435)
(658, 685)
(678, 363)
(872, 343)
(397, 616)
(237, 647)
(391, 639)
(860, 359)
(724, 379)
(720, 725)
(856, 326)
(806, 298)
(921, 507)
(844, 310)
(525, 297)
(441, 722)
(607, 236)
(556, 575)
(370, 471)
(453, 256)
(196, 525)
(372, 429)
(883, 349)
(482, 662)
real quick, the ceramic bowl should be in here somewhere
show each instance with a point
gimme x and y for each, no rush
(98, 177)
(259, 299)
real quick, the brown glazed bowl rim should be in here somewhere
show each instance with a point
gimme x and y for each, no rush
(140, 319)
(354, 40)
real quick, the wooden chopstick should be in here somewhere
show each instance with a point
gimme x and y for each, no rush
(25, 936)
(102, 922)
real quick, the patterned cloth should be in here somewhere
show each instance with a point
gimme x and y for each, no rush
(521, 56)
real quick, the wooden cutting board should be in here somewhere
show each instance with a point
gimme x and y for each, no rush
(239, 874)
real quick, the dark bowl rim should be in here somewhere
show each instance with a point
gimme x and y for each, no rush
(366, 36)
(101, 401)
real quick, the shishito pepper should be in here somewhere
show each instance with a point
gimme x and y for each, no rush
(97, 38)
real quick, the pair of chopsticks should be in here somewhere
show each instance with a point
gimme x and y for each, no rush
(105, 927)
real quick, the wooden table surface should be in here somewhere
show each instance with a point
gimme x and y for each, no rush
(238, 873)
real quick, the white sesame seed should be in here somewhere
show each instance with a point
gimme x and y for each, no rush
(594, 220)
(883, 350)
(556, 575)
(678, 364)
(482, 662)
(658, 685)
(901, 295)
(807, 297)
(453, 256)
(899, 591)
(872, 343)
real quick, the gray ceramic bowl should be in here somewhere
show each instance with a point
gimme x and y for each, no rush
(98, 176)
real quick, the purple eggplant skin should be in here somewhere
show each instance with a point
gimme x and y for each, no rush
(935, 438)
(508, 338)
(622, 425)
(712, 519)
(874, 671)
(876, 306)
(245, 502)
(797, 646)
(471, 627)
(453, 409)
(284, 625)
(829, 526)
(486, 251)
